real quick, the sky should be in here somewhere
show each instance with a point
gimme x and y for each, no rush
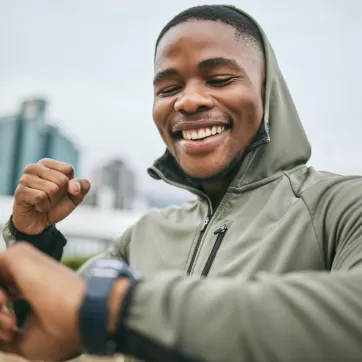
(93, 61)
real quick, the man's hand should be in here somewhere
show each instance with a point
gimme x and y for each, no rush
(8, 328)
(54, 293)
(46, 194)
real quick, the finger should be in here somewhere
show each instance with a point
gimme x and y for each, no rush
(7, 325)
(66, 205)
(47, 174)
(51, 189)
(78, 188)
(4, 298)
(8, 336)
(62, 167)
(33, 198)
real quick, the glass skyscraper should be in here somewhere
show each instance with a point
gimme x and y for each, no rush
(26, 138)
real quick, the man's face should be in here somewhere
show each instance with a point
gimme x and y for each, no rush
(208, 102)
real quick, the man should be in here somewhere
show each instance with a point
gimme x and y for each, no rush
(266, 263)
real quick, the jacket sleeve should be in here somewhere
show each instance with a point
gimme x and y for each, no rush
(302, 316)
(119, 249)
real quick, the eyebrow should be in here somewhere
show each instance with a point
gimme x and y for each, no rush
(217, 62)
(163, 74)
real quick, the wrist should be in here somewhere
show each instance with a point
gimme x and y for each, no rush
(50, 241)
(16, 230)
(115, 300)
(108, 282)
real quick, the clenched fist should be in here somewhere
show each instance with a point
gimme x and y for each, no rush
(46, 194)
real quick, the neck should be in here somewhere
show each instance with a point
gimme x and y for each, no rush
(216, 190)
(216, 187)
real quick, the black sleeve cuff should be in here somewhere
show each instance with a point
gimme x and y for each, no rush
(51, 241)
(121, 332)
(132, 343)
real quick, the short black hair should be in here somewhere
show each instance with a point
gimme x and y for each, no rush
(242, 24)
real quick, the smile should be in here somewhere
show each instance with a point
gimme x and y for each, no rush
(202, 133)
(203, 140)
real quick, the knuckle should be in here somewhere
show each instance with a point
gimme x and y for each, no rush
(45, 161)
(39, 198)
(30, 169)
(63, 181)
(68, 169)
(53, 189)
(20, 189)
(24, 180)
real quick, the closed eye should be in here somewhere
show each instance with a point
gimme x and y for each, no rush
(169, 90)
(219, 82)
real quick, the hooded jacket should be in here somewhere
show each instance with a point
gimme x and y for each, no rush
(274, 273)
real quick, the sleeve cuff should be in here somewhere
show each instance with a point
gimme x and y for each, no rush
(51, 241)
(133, 343)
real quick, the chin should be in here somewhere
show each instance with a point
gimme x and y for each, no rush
(203, 174)
(200, 173)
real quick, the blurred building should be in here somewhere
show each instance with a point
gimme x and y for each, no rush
(113, 187)
(26, 138)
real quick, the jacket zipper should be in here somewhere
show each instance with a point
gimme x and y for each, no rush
(220, 236)
(203, 227)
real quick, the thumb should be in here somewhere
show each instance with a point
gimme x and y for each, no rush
(78, 189)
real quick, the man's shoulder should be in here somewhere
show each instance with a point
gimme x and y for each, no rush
(307, 181)
(176, 212)
(330, 193)
(328, 182)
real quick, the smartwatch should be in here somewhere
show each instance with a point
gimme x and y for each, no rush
(93, 313)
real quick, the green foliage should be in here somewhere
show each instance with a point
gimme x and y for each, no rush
(75, 262)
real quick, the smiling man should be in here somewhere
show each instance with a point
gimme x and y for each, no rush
(265, 263)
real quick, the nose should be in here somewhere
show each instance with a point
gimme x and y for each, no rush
(193, 99)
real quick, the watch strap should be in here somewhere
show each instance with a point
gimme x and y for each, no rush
(93, 314)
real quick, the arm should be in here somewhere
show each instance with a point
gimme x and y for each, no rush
(306, 316)
(52, 242)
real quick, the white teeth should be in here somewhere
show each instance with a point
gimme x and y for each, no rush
(196, 134)
(186, 135)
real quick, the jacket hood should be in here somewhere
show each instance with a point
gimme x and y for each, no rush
(280, 144)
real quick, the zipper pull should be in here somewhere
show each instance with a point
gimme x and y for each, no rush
(221, 230)
(204, 224)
